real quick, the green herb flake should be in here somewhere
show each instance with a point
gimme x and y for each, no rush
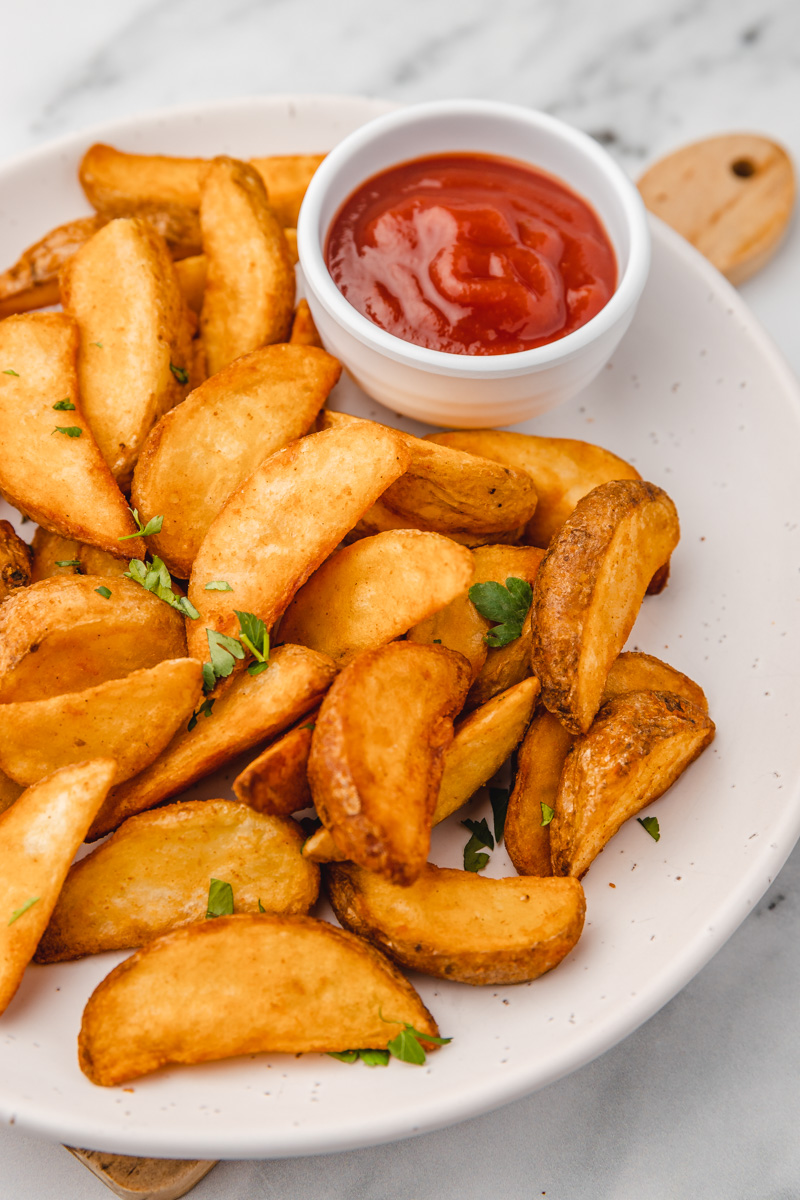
(68, 562)
(203, 711)
(253, 634)
(498, 798)
(346, 1056)
(74, 431)
(407, 1045)
(154, 577)
(18, 912)
(260, 905)
(650, 824)
(98, 344)
(547, 813)
(10, 371)
(220, 899)
(104, 592)
(218, 585)
(437, 641)
(309, 725)
(64, 405)
(473, 860)
(152, 526)
(180, 373)
(209, 678)
(507, 605)
(374, 1058)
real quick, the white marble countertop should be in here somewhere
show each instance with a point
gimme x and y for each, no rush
(703, 1099)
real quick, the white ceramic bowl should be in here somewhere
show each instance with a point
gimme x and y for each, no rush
(460, 389)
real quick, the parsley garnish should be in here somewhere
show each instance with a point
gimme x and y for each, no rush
(499, 802)
(10, 371)
(180, 373)
(220, 899)
(18, 912)
(98, 344)
(309, 725)
(218, 585)
(69, 430)
(507, 605)
(65, 405)
(260, 905)
(152, 526)
(68, 562)
(473, 861)
(255, 638)
(223, 649)
(203, 711)
(547, 813)
(104, 592)
(155, 578)
(406, 1047)
(650, 824)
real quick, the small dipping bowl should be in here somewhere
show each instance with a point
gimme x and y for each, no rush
(472, 391)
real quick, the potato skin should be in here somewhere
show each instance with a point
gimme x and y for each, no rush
(16, 561)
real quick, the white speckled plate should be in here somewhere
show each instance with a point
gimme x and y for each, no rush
(699, 399)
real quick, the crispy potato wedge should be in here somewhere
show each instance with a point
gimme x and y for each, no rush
(250, 283)
(153, 875)
(589, 589)
(374, 590)
(304, 331)
(100, 562)
(203, 450)
(60, 479)
(9, 792)
(39, 835)
(504, 665)
(379, 519)
(634, 671)
(540, 761)
(460, 926)
(130, 720)
(249, 710)
(136, 332)
(277, 781)
(284, 521)
(16, 561)
(286, 985)
(639, 744)
(33, 280)
(563, 469)
(50, 549)
(60, 636)
(375, 767)
(286, 177)
(191, 276)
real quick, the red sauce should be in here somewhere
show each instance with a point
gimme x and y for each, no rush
(471, 254)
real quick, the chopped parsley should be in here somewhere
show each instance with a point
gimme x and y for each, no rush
(10, 371)
(406, 1047)
(260, 905)
(18, 912)
(64, 405)
(68, 562)
(104, 592)
(218, 585)
(224, 650)
(220, 899)
(309, 725)
(98, 344)
(69, 430)
(547, 813)
(473, 860)
(152, 526)
(499, 801)
(155, 578)
(650, 824)
(507, 605)
(180, 373)
(203, 711)
(253, 635)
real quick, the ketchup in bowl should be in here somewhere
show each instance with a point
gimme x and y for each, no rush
(471, 254)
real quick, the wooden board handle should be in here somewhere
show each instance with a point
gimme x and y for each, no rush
(143, 1178)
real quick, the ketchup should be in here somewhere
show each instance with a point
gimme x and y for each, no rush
(471, 254)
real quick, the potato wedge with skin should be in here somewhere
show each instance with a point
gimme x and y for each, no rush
(286, 177)
(284, 521)
(199, 453)
(16, 561)
(250, 709)
(639, 744)
(153, 875)
(32, 282)
(59, 479)
(634, 671)
(287, 985)
(60, 636)
(379, 519)
(9, 792)
(277, 781)
(39, 836)
(101, 563)
(461, 926)
(191, 276)
(504, 666)
(50, 549)
(130, 720)
(589, 589)
(136, 332)
(304, 331)
(250, 282)
(375, 590)
(563, 469)
(377, 753)
(540, 761)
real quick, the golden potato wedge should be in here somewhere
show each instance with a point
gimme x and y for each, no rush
(249, 710)
(16, 561)
(540, 761)
(191, 276)
(634, 671)
(153, 875)
(61, 635)
(287, 985)
(284, 521)
(374, 590)
(461, 926)
(286, 177)
(136, 332)
(130, 720)
(51, 467)
(563, 469)
(50, 549)
(639, 744)
(589, 589)
(304, 331)
(100, 562)
(203, 450)
(9, 792)
(379, 519)
(504, 665)
(377, 753)
(33, 280)
(250, 283)
(277, 781)
(39, 835)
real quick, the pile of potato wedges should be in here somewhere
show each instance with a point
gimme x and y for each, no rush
(223, 565)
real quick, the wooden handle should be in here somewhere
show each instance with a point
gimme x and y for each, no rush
(730, 196)
(143, 1178)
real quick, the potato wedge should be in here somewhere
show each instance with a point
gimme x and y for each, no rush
(563, 469)
(39, 835)
(589, 589)
(286, 177)
(61, 635)
(251, 709)
(250, 283)
(639, 744)
(504, 665)
(203, 450)
(379, 519)
(191, 276)
(374, 590)
(153, 875)
(16, 561)
(540, 761)
(376, 763)
(277, 781)
(304, 331)
(460, 926)
(287, 985)
(136, 332)
(130, 720)
(50, 549)
(284, 521)
(33, 280)
(100, 562)
(634, 671)
(58, 478)
(9, 792)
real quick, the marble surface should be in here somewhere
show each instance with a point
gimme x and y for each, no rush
(703, 1099)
